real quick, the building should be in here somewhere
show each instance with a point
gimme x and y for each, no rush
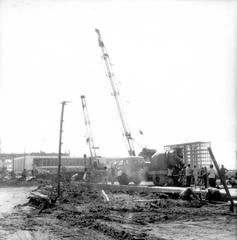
(47, 163)
(195, 153)
(7, 159)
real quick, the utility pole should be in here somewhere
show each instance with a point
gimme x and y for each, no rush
(116, 94)
(60, 147)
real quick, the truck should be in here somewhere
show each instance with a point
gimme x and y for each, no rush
(164, 165)
(149, 166)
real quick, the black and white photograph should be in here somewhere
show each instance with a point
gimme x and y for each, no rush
(118, 119)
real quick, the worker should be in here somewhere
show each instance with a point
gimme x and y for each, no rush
(176, 175)
(188, 174)
(182, 177)
(188, 194)
(213, 194)
(223, 172)
(23, 174)
(13, 175)
(212, 176)
(34, 172)
(195, 175)
(203, 176)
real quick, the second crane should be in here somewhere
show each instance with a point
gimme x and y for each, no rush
(127, 133)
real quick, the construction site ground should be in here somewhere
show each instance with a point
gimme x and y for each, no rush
(86, 212)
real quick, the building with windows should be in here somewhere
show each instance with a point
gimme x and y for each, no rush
(47, 163)
(195, 153)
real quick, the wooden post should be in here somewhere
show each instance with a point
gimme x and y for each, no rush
(222, 180)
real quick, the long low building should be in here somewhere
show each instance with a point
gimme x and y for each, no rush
(47, 163)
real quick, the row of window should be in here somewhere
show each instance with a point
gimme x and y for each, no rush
(54, 161)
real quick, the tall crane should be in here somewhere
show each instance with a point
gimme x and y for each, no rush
(115, 92)
(89, 139)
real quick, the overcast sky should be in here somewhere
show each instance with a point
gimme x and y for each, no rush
(175, 63)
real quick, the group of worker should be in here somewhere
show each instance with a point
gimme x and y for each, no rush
(202, 176)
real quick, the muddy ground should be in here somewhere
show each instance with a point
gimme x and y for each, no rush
(84, 213)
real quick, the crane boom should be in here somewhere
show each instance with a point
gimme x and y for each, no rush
(89, 139)
(115, 92)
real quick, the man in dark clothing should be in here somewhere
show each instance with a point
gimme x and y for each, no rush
(176, 175)
(213, 194)
(23, 174)
(204, 176)
(188, 194)
(223, 172)
(13, 175)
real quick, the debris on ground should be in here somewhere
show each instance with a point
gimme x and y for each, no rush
(85, 209)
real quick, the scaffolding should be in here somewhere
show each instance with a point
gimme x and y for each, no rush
(194, 153)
